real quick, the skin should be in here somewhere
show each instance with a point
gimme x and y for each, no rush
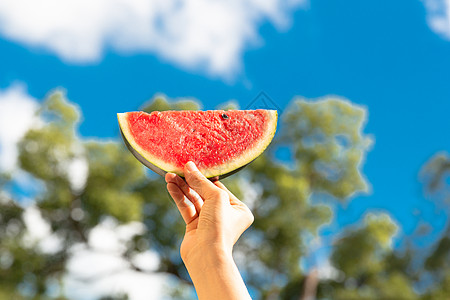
(215, 219)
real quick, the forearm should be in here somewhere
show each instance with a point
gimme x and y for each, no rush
(216, 276)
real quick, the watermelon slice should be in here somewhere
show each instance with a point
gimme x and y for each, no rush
(219, 142)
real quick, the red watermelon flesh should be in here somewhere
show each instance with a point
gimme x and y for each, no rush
(217, 141)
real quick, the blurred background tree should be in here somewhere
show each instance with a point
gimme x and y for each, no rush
(370, 269)
(86, 182)
(435, 175)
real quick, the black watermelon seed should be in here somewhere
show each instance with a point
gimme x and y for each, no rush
(224, 116)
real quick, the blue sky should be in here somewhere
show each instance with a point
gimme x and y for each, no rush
(393, 57)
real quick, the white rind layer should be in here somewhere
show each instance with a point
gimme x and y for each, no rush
(219, 170)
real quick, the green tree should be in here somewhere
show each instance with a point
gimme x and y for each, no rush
(435, 175)
(327, 144)
(371, 269)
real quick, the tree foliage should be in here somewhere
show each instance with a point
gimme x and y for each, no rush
(371, 269)
(435, 175)
(327, 146)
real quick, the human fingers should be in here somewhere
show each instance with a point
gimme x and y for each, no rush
(185, 207)
(190, 193)
(215, 178)
(247, 217)
(233, 198)
(204, 187)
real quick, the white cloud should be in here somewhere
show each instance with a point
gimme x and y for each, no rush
(17, 115)
(138, 286)
(439, 16)
(39, 232)
(194, 34)
(101, 270)
(77, 173)
(326, 271)
(36, 225)
(108, 236)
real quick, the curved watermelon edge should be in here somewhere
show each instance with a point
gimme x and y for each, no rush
(123, 123)
(212, 172)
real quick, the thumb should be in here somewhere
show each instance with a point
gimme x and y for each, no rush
(199, 183)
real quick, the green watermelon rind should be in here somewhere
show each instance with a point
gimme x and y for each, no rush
(219, 170)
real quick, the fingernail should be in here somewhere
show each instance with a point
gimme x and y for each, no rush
(190, 166)
(169, 177)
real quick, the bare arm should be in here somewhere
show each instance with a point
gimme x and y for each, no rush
(215, 219)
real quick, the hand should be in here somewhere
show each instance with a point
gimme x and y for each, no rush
(215, 218)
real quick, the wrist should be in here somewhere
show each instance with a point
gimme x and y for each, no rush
(203, 258)
(215, 275)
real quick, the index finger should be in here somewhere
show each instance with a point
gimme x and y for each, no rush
(202, 185)
(186, 207)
